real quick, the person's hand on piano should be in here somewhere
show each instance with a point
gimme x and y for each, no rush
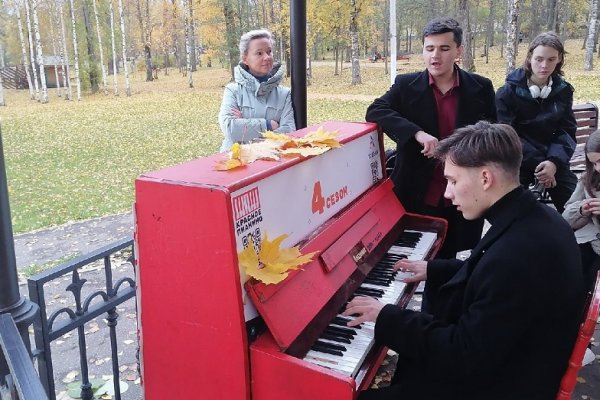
(428, 142)
(364, 309)
(417, 268)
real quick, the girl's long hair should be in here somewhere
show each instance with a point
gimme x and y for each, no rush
(591, 178)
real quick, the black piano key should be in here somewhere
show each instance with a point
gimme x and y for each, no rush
(331, 346)
(349, 332)
(343, 321)
(335, 337)
(327, 350)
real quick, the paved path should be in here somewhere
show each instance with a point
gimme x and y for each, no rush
(67, 241)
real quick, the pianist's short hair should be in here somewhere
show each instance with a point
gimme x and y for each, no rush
(442, 25)
(250, 36)
(483, 144)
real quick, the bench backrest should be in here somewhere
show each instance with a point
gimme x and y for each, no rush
(587, 122)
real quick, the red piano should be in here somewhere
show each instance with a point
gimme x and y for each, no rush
(206, 335)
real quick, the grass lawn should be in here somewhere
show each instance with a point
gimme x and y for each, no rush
(78, 160)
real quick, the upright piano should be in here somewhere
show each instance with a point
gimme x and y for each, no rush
(205, 334)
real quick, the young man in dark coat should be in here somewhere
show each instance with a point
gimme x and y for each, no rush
(504, 321)
(424, 107)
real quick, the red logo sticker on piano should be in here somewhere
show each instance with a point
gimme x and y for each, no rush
(246, 210)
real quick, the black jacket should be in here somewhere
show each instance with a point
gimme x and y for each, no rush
(408, 107)
(546, 126)
(504, 321)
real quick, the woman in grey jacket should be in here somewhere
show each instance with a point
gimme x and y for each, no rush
(582, 211)
(255, 102)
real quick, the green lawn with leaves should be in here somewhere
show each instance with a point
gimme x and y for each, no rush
(77, 160)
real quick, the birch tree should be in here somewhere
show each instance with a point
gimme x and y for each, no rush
(143, 15)
(188, 59)
(102, 66)
(91, 60)
(511, 35)
(113, 47)
(64, 54)
(124, 45)
(24, 58)
(75, 51)
(354, 42)
(588, 63)
(40, 57)
(31, 53)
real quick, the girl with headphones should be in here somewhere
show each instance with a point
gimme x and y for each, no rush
(537, 102)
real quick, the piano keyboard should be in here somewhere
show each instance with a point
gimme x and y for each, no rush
(342, 348)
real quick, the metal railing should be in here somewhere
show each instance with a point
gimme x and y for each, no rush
(22, 383)
(87, 306)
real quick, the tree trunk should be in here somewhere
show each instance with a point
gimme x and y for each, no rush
(102, 66)
(192, 35)
(354, 43)
(188, 50)
(175, 35)
(588, 62)
(463, 19)
(31, 53)
(113, 47)
(2, 102)
(64, 54)
(40, 56)
(489, 36)
(551, 23)
(511, 35)
(230, 35)
(124, 45)
(24, 58)
(92, 64)
(75, 51)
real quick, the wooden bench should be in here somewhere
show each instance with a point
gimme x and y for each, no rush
(587, 122)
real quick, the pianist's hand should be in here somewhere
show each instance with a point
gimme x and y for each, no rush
(417, 268)
(364, 309)
(428, 142)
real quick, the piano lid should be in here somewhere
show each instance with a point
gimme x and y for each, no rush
(290, 306)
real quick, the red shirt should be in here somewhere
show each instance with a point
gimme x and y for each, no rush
(447, 106)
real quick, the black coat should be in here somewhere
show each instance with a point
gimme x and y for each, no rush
(546, 126)
(408, 107)
(504, 321)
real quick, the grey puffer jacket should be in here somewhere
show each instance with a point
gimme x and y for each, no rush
(258, 102)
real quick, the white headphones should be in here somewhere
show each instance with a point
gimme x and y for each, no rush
(542, 92)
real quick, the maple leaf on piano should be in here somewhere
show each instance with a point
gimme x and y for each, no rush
(234, 160)
(272, 263)
(320, 137)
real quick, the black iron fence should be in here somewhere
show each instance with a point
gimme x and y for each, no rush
(88, 303)
(23, 382)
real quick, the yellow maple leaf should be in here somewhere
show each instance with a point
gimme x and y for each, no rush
(234, 160)
(271, 264)
(321, 136)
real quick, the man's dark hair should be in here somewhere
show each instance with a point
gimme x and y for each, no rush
(483, 144)
(442, 25)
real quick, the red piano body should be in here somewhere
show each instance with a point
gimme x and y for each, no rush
(203, 334)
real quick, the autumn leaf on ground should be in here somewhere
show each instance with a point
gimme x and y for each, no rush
(271, 264)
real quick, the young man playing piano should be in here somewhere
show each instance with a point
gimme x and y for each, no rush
(503, 322)
(420, 109)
